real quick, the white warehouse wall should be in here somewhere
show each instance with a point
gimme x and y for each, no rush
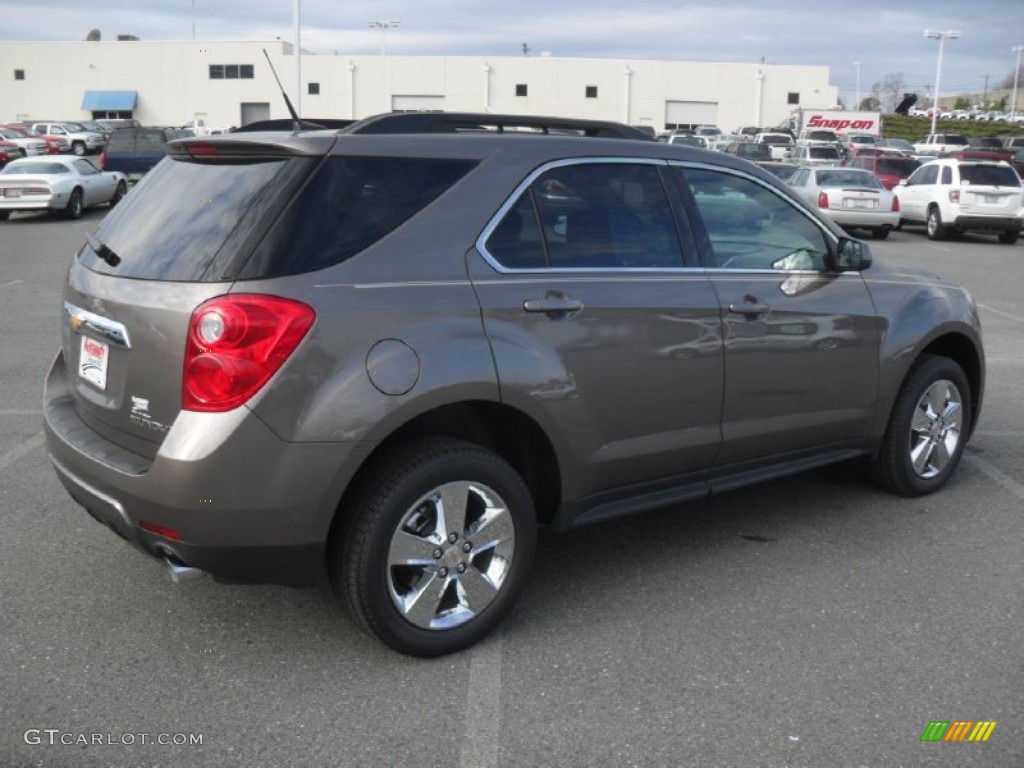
(173, 83)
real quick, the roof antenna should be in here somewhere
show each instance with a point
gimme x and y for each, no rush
(296, 122)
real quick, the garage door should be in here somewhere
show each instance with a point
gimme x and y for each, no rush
(687, 114)
(417, 103)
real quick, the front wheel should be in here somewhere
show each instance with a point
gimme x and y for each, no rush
(927, 430)
(936, 229)
(439, 539)
(119, 193)
(73, 210)
(1009, 237)
(78, 148)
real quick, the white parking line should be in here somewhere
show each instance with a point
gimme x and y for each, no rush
(13, 282)
(483, 706)
(987, 433)
(1000, 312)
(20, 412)
(998, 475)
(938, 248)
(16, 453)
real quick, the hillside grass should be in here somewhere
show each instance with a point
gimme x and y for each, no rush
(915, 128)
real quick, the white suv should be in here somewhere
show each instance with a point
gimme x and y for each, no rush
(954, 196)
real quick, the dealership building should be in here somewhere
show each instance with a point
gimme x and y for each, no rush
(229, 83)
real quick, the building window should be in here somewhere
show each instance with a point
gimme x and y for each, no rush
(520, 89)
(19, 74)
(231, 71)
(591, 91)
(793, 98)
(314, 89)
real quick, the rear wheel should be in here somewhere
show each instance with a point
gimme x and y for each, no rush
(1009, 238)
(440, 537)
(73, 210)
(880, 233)
(936, 229)
(5, 215)
(927, 430)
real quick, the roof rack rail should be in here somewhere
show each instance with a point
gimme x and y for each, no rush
(470, 122)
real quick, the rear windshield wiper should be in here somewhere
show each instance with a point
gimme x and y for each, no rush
(103, 251)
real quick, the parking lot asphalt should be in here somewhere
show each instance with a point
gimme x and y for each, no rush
(813, 621)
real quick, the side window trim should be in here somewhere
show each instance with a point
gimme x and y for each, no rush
(688, 258)
(700, 233)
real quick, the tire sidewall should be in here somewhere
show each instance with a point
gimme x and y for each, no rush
(390, 508)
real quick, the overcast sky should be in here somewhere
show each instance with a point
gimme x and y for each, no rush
(886, 36)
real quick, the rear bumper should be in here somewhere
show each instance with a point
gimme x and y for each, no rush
(988, 223)
(247, 505)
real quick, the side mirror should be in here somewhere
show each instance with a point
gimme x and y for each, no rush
(851, 256)
(903, 182)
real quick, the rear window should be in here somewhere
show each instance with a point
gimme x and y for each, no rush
(830, 153)
(989, 175)
(177, 220)
(351, 203)
(843, 178)
(896, 165)
(122, 140)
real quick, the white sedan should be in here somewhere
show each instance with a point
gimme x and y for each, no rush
(852, 198)
(55, 183)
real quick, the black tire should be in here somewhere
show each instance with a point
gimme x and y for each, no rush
(936, 229)
(899, 225)
(1010, 237)
(78, 148)
(73, 210)
(398, 500)
(942, 381)
(880, 233)
(119, 193)
(5, 215)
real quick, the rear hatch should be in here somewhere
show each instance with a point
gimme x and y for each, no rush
(178, 239)
(989, 189)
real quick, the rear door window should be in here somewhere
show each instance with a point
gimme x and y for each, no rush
(589, 216)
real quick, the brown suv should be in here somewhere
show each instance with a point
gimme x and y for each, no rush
(390, 353)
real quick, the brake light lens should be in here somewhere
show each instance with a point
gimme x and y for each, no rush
(235, 344)
(159, 530)
(103, 159)
(895, 204)
(822, 200)
(954, 195)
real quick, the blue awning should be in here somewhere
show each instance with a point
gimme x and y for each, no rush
(112, 100)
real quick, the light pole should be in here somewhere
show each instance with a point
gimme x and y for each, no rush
(1016, 75)
(856, 104)
(383, 26)
(950, 34)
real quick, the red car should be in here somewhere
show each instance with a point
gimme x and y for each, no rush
(889, 168)
(8, 151)
(55, 145)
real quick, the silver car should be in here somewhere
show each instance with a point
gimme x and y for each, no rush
(387, 355)
(851, 197)
(58, 184)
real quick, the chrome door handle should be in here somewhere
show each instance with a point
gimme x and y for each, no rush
(553, 305)
(750, 308)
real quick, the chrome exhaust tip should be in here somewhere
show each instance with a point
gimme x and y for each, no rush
(181, 574)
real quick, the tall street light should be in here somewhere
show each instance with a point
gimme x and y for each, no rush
(856, 104)
(383, 26)
(950, 34)
(1016, 74)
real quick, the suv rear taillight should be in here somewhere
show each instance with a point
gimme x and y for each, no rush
(895, 204)
(235, 344)
(954, 195)
(822, 200)
(103, 159)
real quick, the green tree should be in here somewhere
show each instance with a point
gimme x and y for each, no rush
(962, 102)
(869, 104)
(999, 105)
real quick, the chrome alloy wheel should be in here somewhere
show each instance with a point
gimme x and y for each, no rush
(450, 555)
(936, 428)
